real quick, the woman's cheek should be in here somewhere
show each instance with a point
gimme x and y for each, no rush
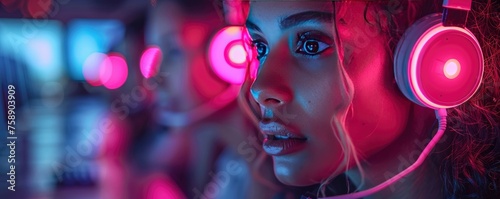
(378, 114)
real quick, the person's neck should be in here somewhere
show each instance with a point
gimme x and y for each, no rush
(404, 151)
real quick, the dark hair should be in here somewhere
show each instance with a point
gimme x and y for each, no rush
(470, 166)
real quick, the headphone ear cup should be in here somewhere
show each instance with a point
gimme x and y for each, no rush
(228, 56)
(403, 52)
(437, 66)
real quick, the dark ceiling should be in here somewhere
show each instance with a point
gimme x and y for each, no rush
(65, 10)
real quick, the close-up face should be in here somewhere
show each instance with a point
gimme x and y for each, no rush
(307, 105)
(187, 80)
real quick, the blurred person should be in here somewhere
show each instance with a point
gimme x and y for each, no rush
(199, 144)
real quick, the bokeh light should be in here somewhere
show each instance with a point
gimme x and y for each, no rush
(150, 61)
(163, 188)
(113, 71)
(226, 61)
(91, 68)
(87, 36)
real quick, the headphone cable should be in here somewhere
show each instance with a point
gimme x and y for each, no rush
(441, 115)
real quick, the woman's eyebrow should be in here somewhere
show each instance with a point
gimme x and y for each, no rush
(297, 19)
(303, 17)
(251, 25)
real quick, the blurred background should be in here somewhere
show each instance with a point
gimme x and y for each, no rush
(44, 46)
(86, 87)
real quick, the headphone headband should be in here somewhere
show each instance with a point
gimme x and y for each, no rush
(455, 12)
(458, 4)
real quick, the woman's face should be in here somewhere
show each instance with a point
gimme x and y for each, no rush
(187, 80)
(301, 86)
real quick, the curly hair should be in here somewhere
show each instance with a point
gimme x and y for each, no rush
(472, 168)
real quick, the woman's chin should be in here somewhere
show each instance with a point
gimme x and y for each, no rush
(295, 179)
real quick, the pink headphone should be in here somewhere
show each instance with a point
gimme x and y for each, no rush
(230, 54)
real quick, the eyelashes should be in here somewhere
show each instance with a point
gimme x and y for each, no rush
(310, 44)
(260, 48)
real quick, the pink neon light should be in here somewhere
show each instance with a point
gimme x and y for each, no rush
(113, 71)
(230, 72)
(91, 68)
(150, 61)
(237, 54)
(451, 68)
(414, 66)
(163, 188)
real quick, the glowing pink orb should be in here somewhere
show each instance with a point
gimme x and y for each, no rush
(227, 55)
(91, 68)
(451, 68)
(237, 54)
(113, 72)
(150, 61)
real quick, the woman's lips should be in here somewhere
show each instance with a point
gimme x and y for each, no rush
(279, 140)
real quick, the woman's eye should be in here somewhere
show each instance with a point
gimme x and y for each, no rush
(309, 44)
(261, 49)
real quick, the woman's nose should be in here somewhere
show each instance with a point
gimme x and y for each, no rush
(272, 87)
(269, 95)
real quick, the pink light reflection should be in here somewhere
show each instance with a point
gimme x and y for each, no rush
(451, 68)
(150, 61)
(113, 72)
(218, 54)
(237, 54)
